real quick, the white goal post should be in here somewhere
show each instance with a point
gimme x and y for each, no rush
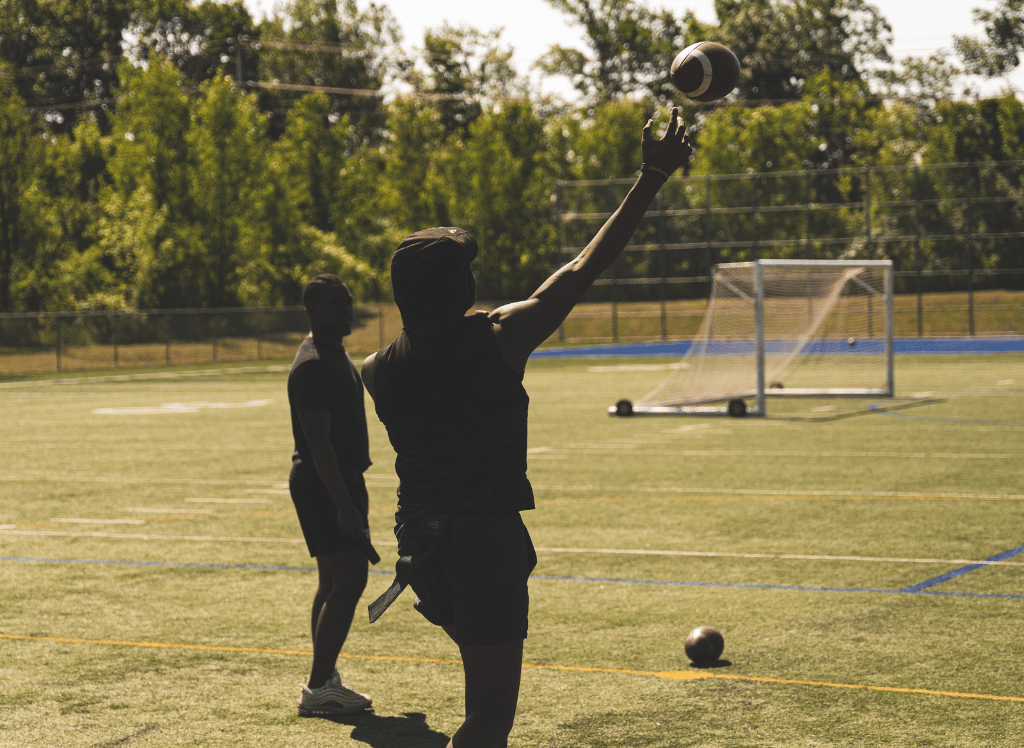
(783, 328)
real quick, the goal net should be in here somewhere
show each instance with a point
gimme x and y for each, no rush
(813, 328)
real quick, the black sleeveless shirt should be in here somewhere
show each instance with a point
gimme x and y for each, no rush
(324, 378)
(456, 415)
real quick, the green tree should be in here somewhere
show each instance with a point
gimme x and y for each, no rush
(465, 65)
(411, 193)
(149, 126)
(820, 136)
(133, 260)
(149, 130)
(66, 52)
(923, 81)
(600, 142)
(820, 132)
(227, 149)
(986, 130)
(977, 136)
(200, 38)
(1001, 50)
(783, 43)
(362, 214)
(287, 251)
(500, 183)
(330, 43)
(630, 48)
(64, 273)
(314, 146)
(20, 154)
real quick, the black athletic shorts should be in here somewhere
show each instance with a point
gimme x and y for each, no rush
(318, 514)
(477, 582)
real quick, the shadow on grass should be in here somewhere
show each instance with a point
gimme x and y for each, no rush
(895, 405)
(712, 665)
(408, 731)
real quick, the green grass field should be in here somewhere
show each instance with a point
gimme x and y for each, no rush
(155, 588)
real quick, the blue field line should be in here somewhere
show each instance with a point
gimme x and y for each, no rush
(961, 571)
(913, 590)
(910, 346)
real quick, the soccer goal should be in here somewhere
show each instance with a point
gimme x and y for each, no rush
(782, 328)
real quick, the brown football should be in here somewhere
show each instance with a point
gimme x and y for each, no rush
(704, 645)
(705, 71)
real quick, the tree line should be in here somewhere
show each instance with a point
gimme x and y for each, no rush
(173, 153)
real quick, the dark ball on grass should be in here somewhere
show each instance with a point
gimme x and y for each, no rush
(704, 645)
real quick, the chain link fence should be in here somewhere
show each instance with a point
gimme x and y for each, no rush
(955, 234)
(86, 341)
(112, 340)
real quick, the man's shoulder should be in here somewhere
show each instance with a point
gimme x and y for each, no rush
(306, 354)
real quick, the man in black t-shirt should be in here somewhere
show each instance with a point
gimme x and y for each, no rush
(326, 484)
(449, 391)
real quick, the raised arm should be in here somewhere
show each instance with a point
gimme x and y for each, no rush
(522, 326)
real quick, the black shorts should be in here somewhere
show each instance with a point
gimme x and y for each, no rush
(477, 583)
(318, 514)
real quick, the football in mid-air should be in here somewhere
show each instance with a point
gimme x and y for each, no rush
(705, 71)
(704, 645)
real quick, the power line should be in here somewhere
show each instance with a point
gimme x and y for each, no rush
(307, 46)
(380, 94)
(90, 104)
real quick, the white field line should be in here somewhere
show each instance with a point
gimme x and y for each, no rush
(228, 501)
(637, 367)
(610, 488)
(777, 556)
(164, 447)
(156, 510)
(73, 521)
(194, 407)
(146, 536)
(178, 480)
(146, 376)
(605, 551)
(717, 494)
(618, 447)
(375, 481)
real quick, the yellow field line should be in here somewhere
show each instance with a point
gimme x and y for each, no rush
(666, 674)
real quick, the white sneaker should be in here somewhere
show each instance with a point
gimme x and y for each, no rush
(334, 697)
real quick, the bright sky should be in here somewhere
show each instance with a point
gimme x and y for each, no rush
(532, 26)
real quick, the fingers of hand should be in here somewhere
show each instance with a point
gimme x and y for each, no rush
(673, 127)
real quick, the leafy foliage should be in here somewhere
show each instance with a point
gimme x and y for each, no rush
(1004, 40)
(65, 51)
(214, 161)
(782, 44)
(330, 44)
(630, 47)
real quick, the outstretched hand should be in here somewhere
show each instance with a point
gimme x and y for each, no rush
(672, 150)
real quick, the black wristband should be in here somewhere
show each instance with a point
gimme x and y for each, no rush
(656, 170)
